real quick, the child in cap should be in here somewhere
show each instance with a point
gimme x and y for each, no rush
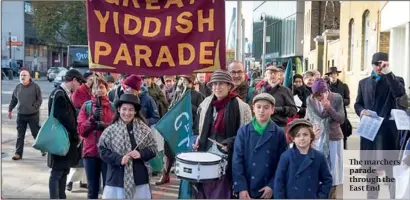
(257, 149)
(303, 172)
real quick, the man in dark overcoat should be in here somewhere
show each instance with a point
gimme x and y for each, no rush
(378, 93)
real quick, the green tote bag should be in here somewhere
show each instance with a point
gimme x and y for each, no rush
(52, 136)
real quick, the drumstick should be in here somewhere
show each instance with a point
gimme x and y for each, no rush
(215, 142)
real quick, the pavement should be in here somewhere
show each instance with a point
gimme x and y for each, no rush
(28, 178)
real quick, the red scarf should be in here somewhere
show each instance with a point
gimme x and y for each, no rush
(218, 126)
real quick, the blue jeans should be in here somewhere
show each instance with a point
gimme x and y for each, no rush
(93, 168)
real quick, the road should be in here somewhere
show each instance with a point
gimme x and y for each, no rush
(28, 178)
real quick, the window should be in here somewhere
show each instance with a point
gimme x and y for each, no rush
(365, 40)
(351, 45)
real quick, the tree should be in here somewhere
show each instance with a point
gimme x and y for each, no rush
(57, 21)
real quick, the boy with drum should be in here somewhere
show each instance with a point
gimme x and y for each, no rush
(257, 150)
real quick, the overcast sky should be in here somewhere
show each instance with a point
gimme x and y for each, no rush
(247, 8)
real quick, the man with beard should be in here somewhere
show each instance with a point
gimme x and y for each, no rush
(337, 86)
(285, 105)
(203, 89)
(169, 87)
(27, 97)
(241, 87)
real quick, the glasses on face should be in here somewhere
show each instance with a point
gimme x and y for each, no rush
(236, 72)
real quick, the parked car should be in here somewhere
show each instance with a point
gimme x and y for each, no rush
(52, 73)
(59, 77)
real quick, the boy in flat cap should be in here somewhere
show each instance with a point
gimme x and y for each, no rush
(257, 149)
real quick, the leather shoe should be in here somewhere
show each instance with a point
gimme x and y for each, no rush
(16, 157)
(163, 180)
(69, 186)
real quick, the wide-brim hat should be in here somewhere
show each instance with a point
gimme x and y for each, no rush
(128, 98)
(220, 76)
(333, 70)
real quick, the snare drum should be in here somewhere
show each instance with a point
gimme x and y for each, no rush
(199, 166)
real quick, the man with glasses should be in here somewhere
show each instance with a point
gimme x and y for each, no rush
(241, 87)
(27, 97)
(378, 93)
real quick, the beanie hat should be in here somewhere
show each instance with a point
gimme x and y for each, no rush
(134, 82)
(319, 86)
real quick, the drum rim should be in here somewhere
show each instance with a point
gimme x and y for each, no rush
(198, 181)
(189, 162)
(197, 162)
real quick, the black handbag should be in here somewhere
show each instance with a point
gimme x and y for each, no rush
(347, 128)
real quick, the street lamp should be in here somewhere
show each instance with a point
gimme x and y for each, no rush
(263, 18)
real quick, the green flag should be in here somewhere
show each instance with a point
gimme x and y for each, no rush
(176, 125)
(288, 75)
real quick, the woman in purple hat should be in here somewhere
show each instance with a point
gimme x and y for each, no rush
(325, 110)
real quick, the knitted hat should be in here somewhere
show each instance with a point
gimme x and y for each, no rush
(134, 82)
(220, 76)
(264, 96)
(380, 56)
(319, 86)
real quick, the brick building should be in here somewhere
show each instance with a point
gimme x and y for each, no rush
(359, 40)
(321, 20)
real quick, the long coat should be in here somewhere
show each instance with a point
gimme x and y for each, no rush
(380, 96)
(302, 181)
(256, 157)
(66, 114)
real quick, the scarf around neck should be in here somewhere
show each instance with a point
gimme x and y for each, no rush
(218, 126)
(376, 76)
(259, 128)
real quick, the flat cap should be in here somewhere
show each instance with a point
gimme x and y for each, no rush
(297, 122)
(264, 96)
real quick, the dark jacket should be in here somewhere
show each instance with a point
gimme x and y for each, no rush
(65, 113)
(204, 90)
(28, 99)
(156, 93)
(311, 179)
(256, 157)
(303, 93)
(149, 108)
(380, 96)
(285, 104)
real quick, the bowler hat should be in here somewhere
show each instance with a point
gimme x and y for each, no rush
(128, 98)
(333, 70)
(220, 76)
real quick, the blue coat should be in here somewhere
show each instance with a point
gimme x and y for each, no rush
(256, 157)
(303, 182)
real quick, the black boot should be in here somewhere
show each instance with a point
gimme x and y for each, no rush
(69, 186)
(83, 185)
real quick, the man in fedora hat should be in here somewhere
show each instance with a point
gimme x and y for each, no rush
(285, 104)
(337, 86)
(378, 93)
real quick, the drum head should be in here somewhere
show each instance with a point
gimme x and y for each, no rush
(199, 157)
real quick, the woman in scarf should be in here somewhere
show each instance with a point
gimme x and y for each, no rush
(126, 146)
(325, 110)
(220, 116)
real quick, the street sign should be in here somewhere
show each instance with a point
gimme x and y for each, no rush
(14, 44)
